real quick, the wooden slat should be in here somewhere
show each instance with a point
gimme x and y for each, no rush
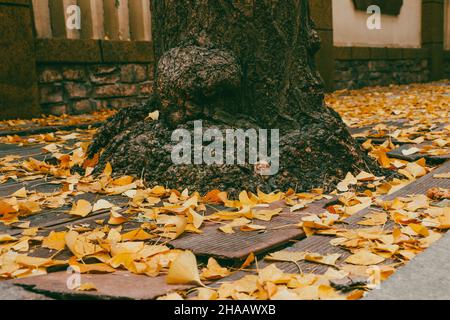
(280, 230)
(321, 244)
(92, 20)
(116, 20)
(140, 20)
(57, 17)
(398, 153)
(42, 18)
(124, 21)
(87, 30)
(111, 20)
(97, 14)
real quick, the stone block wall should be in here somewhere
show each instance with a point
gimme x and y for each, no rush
(447, 68)
(83, 88)
(353, 74)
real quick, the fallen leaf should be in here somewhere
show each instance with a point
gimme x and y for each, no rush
(55, 241)
(102, 205)
(248, 261)
(410, 151)
(364, 258)
(87, 287)
(183, 270)
(214, 271)
(82, 208)
(22, 193)
(374, 219)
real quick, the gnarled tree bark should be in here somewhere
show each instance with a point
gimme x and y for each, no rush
(234, 64)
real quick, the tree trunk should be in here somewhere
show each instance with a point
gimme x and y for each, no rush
(234, 64)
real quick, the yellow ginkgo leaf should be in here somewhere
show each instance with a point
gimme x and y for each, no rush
(6, 238)
(285, 255)
(266, 215)
(183, 270)
(22, 193)
(55, 240)
(87, 287)
(136, 235)
(329, 260)
(364, 258)
(374, 219)
(81, 208)
(248, 261)
(214, 271)
(102, 205)
(154, 116)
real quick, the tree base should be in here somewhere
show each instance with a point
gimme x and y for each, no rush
(317, 156)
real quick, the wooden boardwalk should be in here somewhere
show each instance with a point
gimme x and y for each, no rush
(282, 232)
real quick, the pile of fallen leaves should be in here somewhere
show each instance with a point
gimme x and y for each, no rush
(133, 234)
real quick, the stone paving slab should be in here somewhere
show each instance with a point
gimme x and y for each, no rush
(426, 277)
(9, 291)
(119, 285)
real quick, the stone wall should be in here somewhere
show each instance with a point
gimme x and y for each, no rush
(353, 74)
(447, 68)
(83, 88)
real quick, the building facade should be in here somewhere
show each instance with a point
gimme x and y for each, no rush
(52, 63)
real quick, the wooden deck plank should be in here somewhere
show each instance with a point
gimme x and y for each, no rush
(321, 244)
(398, 154)
(237, 246)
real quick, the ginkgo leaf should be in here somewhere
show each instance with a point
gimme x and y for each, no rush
(364, 258)
(136, 235)
(410, 151)
(214, 271)
(206, 294)
(102, 205)
(374, 219)
(445, 175)
(271, 273)
(123, 181)
(285, 255)
(344, 184)
(90, 268)
(153, 116)
(87, 287)
(365, 176)
(419, 229)
(21, 193)
(6, 208)
(252, 227)
(116, 219)
(32, 261)
(107, 171)
(6, 238)
(266, 215)
(196, 219)
(248, 261)
(329, 260)
(212, 197)
(55, 241)
(81, 208)
(183, 270)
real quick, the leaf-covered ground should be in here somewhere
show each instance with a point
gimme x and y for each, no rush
(136, 232)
